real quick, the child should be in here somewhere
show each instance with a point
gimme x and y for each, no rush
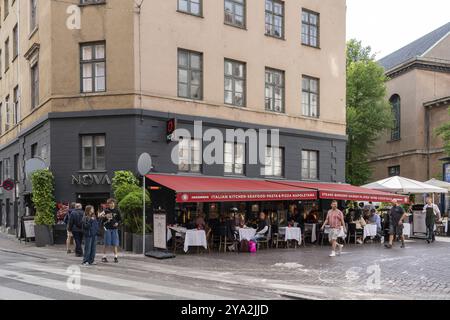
(91, 226)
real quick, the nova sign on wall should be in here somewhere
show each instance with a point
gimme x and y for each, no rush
(91, 179)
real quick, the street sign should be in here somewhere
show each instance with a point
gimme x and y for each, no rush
(144, 164)
(8, 185)
(171, 126)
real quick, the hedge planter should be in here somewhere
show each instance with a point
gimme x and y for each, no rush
(60, 234)
(43, 235)
(127, 243)
(137, 243)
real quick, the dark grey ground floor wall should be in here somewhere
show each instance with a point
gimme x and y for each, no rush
(132, 132)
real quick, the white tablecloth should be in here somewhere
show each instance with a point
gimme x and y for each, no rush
(313, 228)
(407, 229)
(370, 230)
(195, 238)
(179, 230)
(246, 234)
(291, 234)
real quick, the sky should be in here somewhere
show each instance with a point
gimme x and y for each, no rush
(388, 25)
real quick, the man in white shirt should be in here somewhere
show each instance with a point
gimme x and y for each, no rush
(430, 221)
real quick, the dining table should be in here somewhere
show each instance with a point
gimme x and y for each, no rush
(192, 238)
(246, 233)
(291, 233)
(370, 230)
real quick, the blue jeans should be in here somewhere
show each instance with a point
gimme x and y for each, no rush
(258, 237)
(90, 249)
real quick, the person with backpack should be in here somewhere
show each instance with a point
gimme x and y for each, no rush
(91, 226)
(76, 228)
(69, 241)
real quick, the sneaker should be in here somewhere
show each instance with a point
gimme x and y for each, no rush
(116, 260)
(428, 241)
(359, 241)
(340, 247)
(388, 246)
(333, 254)
(104, 260)
(403, 245)
(93, 263)
(85, 264)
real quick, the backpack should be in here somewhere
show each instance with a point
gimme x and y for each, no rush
(252, 247)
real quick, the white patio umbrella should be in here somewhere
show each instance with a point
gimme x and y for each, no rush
(404, 185)
(439, 183)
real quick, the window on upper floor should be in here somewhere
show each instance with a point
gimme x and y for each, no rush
(6, 168)
(310, 97)
(93, 67)
(235, 83)
(396, 111)
(190, 74)
(15, 41)
(235, 12)
(310, 28)
(275, 18)
(394, 171)
(310, 165)
(6, 55)
(190, 6)
(274, 93)
(16, 105)
(234, 158)
(5, 8)
(33, 15)
(92, 1)
(189, 155)
(34, 85)
(8, 114)
(274, 162)
(93, 155)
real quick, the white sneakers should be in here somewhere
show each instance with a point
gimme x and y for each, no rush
(333, 253)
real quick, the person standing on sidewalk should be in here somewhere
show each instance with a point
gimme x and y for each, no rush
(76, 228)
(91, 225)
(69, 241)
(335, 219)
(396, 217)
(111, 221)
(431, 219)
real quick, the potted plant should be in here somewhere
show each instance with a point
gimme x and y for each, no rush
(123, 183)
(131, 207)
(43, 187)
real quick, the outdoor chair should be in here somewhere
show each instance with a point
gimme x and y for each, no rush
(177, 241)
(265, 240)
(353, 232)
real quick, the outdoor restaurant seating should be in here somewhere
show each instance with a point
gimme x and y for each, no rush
(353, 232)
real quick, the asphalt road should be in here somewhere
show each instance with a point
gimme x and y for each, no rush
(361, 272)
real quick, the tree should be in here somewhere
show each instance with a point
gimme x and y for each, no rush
(444, 133)
(368, 111)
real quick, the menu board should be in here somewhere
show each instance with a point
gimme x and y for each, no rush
(29, 228)
(159, 231)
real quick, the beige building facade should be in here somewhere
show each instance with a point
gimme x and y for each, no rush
(419, 91)
(92, 84)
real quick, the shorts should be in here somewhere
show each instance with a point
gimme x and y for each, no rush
(334, 234)
(395, 229)
(111, 237)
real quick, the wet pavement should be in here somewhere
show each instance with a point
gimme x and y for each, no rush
(362, 272)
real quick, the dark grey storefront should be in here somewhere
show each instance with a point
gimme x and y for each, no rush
(128, 133)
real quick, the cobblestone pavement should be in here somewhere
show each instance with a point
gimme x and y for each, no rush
(361, 272)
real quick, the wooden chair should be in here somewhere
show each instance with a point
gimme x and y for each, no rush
(177, 241)
(265, 241)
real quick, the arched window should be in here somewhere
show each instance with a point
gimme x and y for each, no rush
(396, 105)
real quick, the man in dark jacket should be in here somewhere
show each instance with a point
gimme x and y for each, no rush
(76, 228)
(69, 241)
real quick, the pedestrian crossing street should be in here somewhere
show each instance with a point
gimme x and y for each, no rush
(36, 281)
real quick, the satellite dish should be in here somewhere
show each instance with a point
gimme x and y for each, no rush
(144, 164)
(33, 165)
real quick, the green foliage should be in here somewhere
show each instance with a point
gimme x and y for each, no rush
(123, 190)
(131, 207)
(122, 178)
(444, 133)
(43, 187)
(368, 111)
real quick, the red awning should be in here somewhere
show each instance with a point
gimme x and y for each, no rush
(191, 189)
(336, 191)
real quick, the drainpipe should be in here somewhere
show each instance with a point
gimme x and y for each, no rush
(428, 139)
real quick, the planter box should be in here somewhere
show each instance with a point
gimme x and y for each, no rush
(127, 243)
(137, 243)
(43, 235)
(60, 234)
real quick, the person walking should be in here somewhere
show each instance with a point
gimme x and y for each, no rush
(76, 228)
(69, 241)
(91, 226)
(111, 219)
(335, 219)
(433, 214)
(396, 217)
